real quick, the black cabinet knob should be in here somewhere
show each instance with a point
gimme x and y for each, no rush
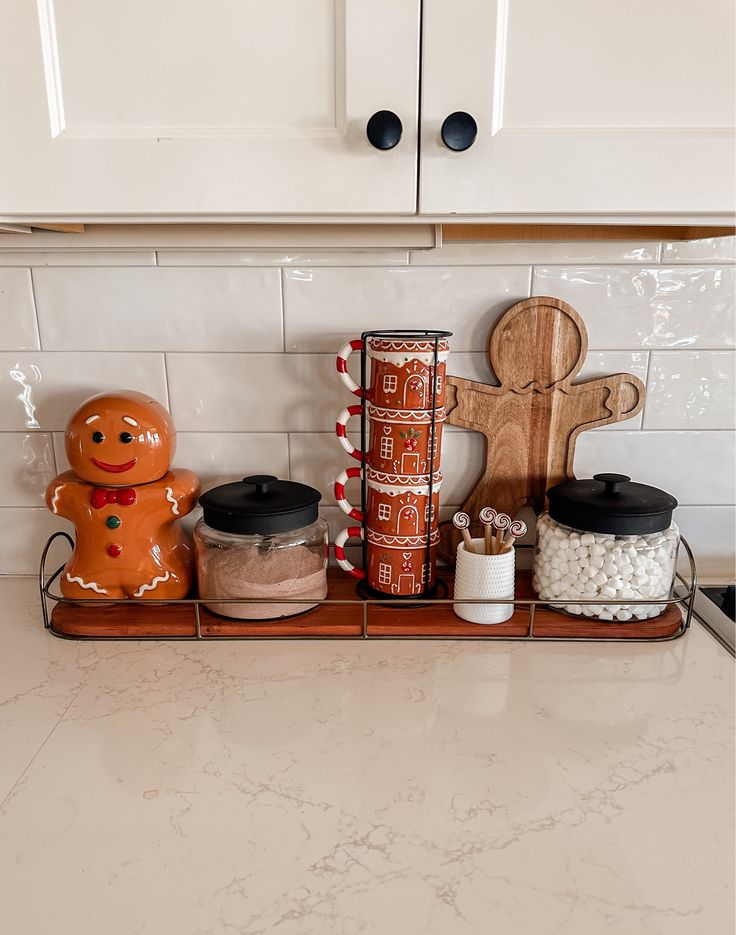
(384, 129)
(459, 131)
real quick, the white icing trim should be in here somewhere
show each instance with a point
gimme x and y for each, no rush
(407, 480)
(394, 416)
(172, 501)
(402, 542)
(55, 498)
(391, 489)
(399, 359)
(91, 420)
(89, 585)
(150, 587)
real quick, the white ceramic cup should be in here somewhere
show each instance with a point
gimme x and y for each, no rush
(484, 577)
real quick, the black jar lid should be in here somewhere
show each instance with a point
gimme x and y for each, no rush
(260, 505)
(611, 503)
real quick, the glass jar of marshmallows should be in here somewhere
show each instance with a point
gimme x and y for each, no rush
(606, 539)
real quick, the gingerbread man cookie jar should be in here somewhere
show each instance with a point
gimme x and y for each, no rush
(124, 501)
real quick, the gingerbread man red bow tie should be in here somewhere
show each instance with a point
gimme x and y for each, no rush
(101, 496)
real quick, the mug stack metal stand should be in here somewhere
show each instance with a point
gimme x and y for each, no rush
(364, 590)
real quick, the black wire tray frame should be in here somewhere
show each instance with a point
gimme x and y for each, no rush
(685, 600)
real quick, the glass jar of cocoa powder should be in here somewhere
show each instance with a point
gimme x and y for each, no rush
(261, 538)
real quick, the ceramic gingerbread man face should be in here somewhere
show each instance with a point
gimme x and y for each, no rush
(120, 439)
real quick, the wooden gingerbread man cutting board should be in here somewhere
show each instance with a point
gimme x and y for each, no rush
(531, 421)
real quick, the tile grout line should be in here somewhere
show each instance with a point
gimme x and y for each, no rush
(40, 748)
(166, 382)
(645, 413)
(326, 431)
(35, 308)
(283, 311)
(330, 352)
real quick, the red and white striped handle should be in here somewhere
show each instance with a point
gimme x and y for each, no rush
(342, 500)
(352, 532)
(342, 432)
(342, 365)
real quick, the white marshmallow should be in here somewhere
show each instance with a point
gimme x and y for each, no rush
(573, 567)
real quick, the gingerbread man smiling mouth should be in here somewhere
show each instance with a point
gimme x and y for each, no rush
(124, 500)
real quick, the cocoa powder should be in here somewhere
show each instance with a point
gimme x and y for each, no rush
(294, 573)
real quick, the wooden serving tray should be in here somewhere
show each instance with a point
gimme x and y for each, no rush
(395, 619)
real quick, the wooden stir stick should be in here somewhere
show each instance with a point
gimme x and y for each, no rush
(502, 523)
(516, 530)
(487, 516)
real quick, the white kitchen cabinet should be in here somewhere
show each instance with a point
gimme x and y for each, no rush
(224, 107)
(239, 109)
(583, 108)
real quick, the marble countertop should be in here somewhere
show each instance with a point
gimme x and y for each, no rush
(353, 788)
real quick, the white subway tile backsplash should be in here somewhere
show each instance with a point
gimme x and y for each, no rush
(630, 307)
(695, 467)
(317, 459)
(40, 390)
(23, 534)
(79, 258)
(255, 392)
(26, 468)
(18, 329)
(159, 309)
(711, 534)
(323, 308)
(213, 311)
(283, 258)
(708, 250)
(223, 457)
(463, 462)
(525, 253)
(691, 390)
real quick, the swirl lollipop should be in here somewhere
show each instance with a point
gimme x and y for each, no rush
(461, 521)
(502, 523)
(487, 516)
(516, 530)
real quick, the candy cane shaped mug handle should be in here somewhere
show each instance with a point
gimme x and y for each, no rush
(342, 500)
(342, 365)
(352, 532)
(342, 432)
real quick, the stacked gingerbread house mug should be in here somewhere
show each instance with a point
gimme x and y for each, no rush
(402, 410)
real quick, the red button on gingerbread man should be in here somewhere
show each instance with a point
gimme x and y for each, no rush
(124, 501)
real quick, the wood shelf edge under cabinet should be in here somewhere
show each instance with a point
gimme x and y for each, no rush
(485, 233)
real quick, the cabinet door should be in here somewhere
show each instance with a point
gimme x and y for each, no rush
(582, 107)
(223, 107)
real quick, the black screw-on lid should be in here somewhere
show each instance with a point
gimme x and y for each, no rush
(260, 505)
(611, 503)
